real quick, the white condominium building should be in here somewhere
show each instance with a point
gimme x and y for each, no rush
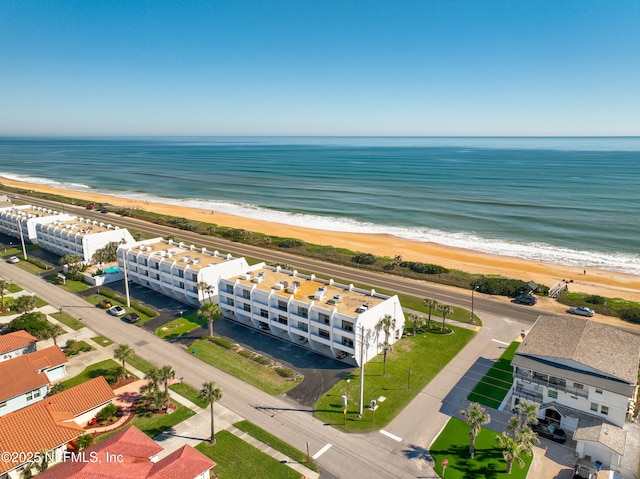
(329, 318)
(22, 220)
(182, 272)
(79, 236)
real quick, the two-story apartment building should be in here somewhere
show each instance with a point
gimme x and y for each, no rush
(182, 272)
(79, 236)
(21, 221)
(584, 376)
(15, 344)
(332, 319)
(25, 379)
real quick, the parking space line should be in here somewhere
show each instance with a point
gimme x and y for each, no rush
(321, 451)
(392, 436)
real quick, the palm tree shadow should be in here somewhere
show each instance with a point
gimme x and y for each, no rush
(417, 452)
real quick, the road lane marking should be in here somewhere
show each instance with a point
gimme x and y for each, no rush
(392, 436)
(500, 342)
(321, 451)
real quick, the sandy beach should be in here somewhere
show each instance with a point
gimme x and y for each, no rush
(605, 283)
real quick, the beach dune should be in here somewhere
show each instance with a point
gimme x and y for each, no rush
(593, 281)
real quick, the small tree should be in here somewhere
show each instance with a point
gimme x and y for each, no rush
(211, 393)
(526, 413)
(4, 286)
(445, 310)
(84, 441)
(24, 304)
(165, 374)
(417, 321)
(34, 323)
(431, 304)
(475, 416)
(386, 349)
(210, 311)
(122, 353)
(512, 450)
(54, 332)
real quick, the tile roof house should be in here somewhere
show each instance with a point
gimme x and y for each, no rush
(131, 454)
(25, 379)
(16, 343)
(584, 376)
(50, 425)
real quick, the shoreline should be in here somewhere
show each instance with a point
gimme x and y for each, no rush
(595, 281)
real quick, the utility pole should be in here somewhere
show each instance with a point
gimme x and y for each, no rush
(126, 278)
(24, 249)
(361, 399)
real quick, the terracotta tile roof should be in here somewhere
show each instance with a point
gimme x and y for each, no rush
(19, 375)
(185, 463)
(598, 346)
(136, 450)
(81, 398)
(16, 340)
(33, 429)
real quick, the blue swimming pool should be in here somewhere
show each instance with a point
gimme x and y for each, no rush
(112, 269)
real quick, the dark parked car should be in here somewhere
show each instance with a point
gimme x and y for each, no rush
(545, 429)
(526, 299)
(131, 318)
(585, 470)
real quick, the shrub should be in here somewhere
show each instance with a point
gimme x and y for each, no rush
(594, 299)
(364, 258)
(222, 342)
(501, 286)
(426, 268)
(631, 314)
(284, 372)
(290, 243)
(34, 323)
(107, 412)
(245, 354)
(261, 359)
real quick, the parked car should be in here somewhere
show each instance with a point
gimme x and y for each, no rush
(545, 429)
(585, 470)
(105, 304)
(117, 310)
(131, 318)
(91, 206)
(581, 311)
(526, 299)
(14, 259)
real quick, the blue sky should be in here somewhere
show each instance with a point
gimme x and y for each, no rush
(319, 67)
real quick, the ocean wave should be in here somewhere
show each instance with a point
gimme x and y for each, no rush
(36, 180)
(619, 262)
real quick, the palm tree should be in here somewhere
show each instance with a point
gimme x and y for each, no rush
(512, 450)
(204, 287)
(166, 373)
(84, 441)
(386, 348)
(123, 352)
(526, 412)
(211, 393)
(475, 416)
(527, 438)
(24, 303)
(417, 321)
(154, 378)
(209, 311)
(54, 331)
(431, 304)
(445, 310)
(386, 324)
(4, 286)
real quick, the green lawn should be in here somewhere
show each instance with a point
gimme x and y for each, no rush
(180, 326)
(154, 424)
(236, 459)
(425, 354)
(249, 371)
(453, 444)
(102, 341)
(68, 320)
(277, 444)
(101, 368)
(493, 388)
(189, 393)
(140, 364)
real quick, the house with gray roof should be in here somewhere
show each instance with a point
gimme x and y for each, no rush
(584, 377)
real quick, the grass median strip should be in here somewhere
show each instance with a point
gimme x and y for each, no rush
(178, 327)
(277, 444)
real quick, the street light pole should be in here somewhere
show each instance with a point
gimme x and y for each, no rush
(473, 290)
(361, 399)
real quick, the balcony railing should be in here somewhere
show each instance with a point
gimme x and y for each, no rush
(551, 384)
(528, 394)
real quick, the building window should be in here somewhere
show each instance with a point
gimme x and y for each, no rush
(552, 394)
(578, 386)
(246, 294)
(347, 326)
(247, 307)
(598, 391)
(3, 404)
(604, 410)
(229, 289)
(594, 407)
(31, 395)
(282, 305)
(303, 327)
(264, 313)
(347, 342)
(282, 320)
(230, 302)
(323, 334)
(304, 312)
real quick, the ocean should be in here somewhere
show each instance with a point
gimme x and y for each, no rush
(572, 201)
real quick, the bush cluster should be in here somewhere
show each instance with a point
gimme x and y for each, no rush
(631, 314)
(364, 258)
(426, 268)
(290, 243)
(501, 286)
(222, 342)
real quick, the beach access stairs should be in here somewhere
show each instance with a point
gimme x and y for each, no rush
(556, 289)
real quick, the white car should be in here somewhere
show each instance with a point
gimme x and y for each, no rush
(14, 259)
(117, 310)
(581, 311)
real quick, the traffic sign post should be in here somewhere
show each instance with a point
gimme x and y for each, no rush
(444, 466)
